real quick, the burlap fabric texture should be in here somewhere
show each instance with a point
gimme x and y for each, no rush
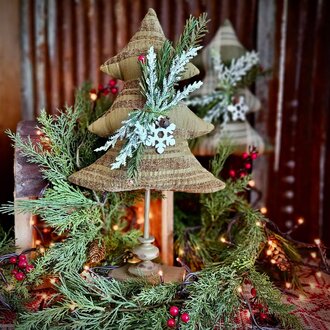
(188, 124)
(240, 135)
(125, 66)
(176, 169)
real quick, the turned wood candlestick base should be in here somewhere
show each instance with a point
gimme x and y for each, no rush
(145, 252)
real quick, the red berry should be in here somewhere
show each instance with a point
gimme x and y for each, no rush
(245, 155)
(100, 87)
(171, 323)
(22, 264)
(106, 92)
(247, 166)
(29, 268)
(19, 276)
(232, 173)
(114, 90)
(185, 318)
(263, 316)
(14, 272)
(93, 91)
(253, 292)
(254, 155)
(174, 311)
(22, 257)
(259, 306)
(13, 260)
(112, 82)
(142, 58)
(242, 174)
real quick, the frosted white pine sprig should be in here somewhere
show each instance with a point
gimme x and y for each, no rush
(230, 76)
(217, 102)
(160, 97)
(228, 79)
(135, 134)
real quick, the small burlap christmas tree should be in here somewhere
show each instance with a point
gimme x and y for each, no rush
(233, 128)
(175, 169)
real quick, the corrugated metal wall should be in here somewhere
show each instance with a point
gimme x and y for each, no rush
(65, 42)
(297, 118)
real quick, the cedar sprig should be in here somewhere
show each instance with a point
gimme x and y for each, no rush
(193, 33)
(191, 37)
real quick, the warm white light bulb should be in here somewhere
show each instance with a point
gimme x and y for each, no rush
(93, 96)
(313, 255)
(263, 210)
(300, 221)
(252, 183)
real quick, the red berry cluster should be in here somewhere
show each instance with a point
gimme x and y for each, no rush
(21, 266)
(175, 312)
(248, 158)
(111, 87)
(260, 311)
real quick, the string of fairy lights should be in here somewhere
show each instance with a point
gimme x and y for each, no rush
(270, 252)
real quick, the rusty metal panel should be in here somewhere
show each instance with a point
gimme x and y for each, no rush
(297, 120)
(65, 41)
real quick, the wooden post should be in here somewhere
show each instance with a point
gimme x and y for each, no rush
(167, 228)
(28, 185)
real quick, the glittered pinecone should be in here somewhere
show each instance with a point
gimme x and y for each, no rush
(277, 254)
(96, 252)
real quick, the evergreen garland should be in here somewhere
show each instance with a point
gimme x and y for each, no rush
(86, 300)
(89, 301)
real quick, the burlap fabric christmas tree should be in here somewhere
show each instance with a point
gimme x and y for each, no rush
(176, 168)
(236, 131)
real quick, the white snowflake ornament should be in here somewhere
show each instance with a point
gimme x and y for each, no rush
(160, 137)
(238, 110)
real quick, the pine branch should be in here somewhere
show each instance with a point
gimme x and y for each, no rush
(193, 33)
(271, 297)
